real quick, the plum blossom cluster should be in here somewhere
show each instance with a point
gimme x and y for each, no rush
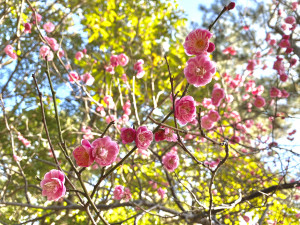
(208, 120)
(53, 185)
(212, 164)
(161, 192)
(277, 93)
(142, 137)
(86, 78)
(122, 193)
(229, 50)
(116, 60)
(45, 51)
(110, 104)
(87, 133)
(103, 151)
(165, 134)
(199, 69)
(24, 141)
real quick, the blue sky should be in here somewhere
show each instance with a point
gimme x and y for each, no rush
(191, 7)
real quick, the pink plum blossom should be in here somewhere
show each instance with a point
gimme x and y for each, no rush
(161, 192)
(127, 111)
(87, 78)
(185, 110)
(289, 50)
(251, 65)
(61, 53)
(246, 218)
(24, 141)
(9, 50)
(125, 118)
(87, 133)
(160, 135)
(211, 47)
(229, 50)
(127, 105)
(110, 69)
(290, 20)
(272, 42)
(114, 60)
(213, 115)
(293, 62)
(217, 95)
(101, 110)
(197, 42)
(283, 77)
(169, 135)
(119, 192)
(53, 43)
(199, 70)
(275, 92)
(123, 59)
(212, 164)
(83, 154)
(206, 123)
(36, 16)
(128, 135)
(259, 102)
(138, 65)
(170, 161)
(140, 74)
(79, 55)
(279, 66)
(53, 185)
(284, 94)
(109, 101)
(73, 76)
(46, 52)
(110, 118)
(105, 151)
(294, 5)
(258, 90)
(207, 103)
(27, 28)
(49, 27)
(127, 194)
(284, 43)
(124, 77)
(144, 137)
(235, 139)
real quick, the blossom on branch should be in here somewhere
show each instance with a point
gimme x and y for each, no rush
(170, 161)
(83, 154)
(105, 151)
(53, 185)
(128, 135)
(199, 70)
(197, 42)
(144, 137)
(185, 110)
